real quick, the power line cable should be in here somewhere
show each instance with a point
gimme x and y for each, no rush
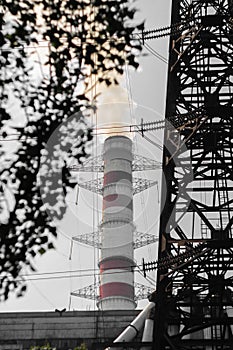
(148, 126)
(155, 53)
(55, 272)
(148, 34)
(131, 128)
(152, 142)
(43, 295)
(148, 278)
(41, 44)
(70, 271)
(118, 127)
(21, 279)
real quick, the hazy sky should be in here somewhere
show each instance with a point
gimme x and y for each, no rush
(147, 89)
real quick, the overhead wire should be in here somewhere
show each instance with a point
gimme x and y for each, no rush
(142, 199)
(43, 295)
(130, 94)
(157, 124)
(121, 129)
(155, 53)
(95, 198)
(148, 126)
(45, 43)
(94, 145)
(28, 278)
(70, 268)
(148, 278)
(148, 34)
(102, 133)
(154, 143)
(141, 194)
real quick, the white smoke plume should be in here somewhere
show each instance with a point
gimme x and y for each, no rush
(115, 108)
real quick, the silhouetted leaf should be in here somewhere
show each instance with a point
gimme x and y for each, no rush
(41, 251)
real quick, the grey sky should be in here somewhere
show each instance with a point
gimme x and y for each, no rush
(147, 87)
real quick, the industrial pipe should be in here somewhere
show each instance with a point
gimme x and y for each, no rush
(133, 329)
(148, 328)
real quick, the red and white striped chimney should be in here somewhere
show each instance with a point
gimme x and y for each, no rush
(116, 263)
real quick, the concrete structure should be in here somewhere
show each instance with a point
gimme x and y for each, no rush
(22, 330)
(116, 264)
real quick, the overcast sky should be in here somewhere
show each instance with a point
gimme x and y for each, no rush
(147, 89)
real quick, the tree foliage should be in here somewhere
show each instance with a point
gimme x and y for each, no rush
(83, 39)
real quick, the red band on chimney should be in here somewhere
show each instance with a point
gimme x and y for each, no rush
(116, 176)
(116, 264)
(117, 200)
(116, 289)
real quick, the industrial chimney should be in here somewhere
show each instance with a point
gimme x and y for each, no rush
(116, 263)
(116, 237)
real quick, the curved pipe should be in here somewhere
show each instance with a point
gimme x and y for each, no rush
(133, 329)
(148, 329)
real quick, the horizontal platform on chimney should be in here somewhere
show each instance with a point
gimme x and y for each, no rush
(96, 185)
(140, 239)
(91, 292)
(96, 164)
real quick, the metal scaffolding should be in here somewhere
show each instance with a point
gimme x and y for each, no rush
(96, 165)
(194, 293)
(92, 292)
(96, 185)
(140, 239)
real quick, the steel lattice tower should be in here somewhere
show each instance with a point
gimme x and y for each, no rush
(194, 294)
